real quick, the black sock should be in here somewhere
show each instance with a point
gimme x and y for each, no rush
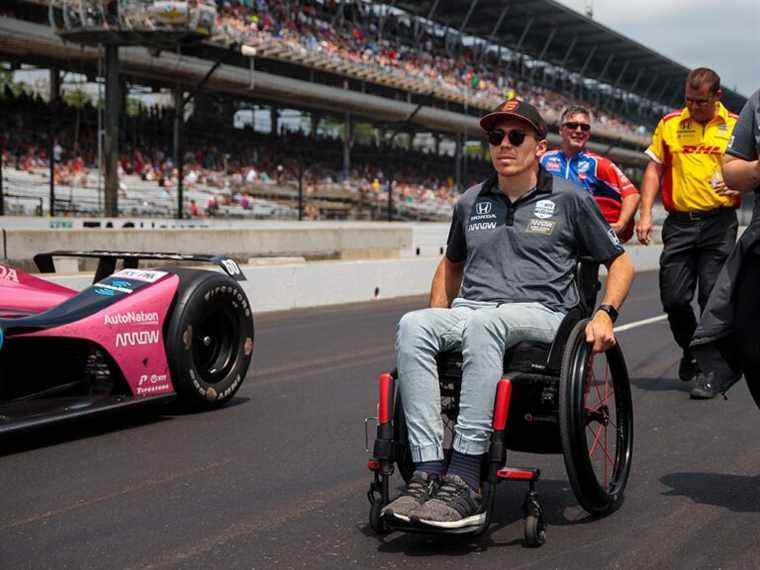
(467, 467)
(431, 467)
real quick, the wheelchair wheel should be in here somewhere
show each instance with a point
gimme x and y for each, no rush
(535, 531)
(596, 423)
(449, 412)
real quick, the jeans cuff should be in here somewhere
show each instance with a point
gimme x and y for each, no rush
(469, 446)
(426, 453)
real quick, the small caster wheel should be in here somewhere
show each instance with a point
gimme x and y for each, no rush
(535, 531)
(376, 521)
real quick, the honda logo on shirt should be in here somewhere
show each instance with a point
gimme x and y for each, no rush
(484, 208)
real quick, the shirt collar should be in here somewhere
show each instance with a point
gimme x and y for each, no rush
(545, 184)
(721, 113)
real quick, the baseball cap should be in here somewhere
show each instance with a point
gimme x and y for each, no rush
(515, 109)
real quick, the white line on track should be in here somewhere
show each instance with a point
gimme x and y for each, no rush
(637, 324)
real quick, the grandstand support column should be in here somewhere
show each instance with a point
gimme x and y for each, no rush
(274, 115)
(51, 156)
(179, 155)
(568, 52)
(111, 143)
(301, 168)
(347, 141)
(55, 92)
(316, 118)
(526, 29)
(55, 84)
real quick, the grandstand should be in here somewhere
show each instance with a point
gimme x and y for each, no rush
(404, 82)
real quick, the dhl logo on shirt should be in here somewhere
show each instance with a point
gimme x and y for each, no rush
(700, 149)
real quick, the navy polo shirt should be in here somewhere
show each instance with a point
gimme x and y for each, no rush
(527, 250)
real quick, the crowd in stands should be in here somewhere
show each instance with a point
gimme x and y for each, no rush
(386, 40)
(232, 165)
(357, 33)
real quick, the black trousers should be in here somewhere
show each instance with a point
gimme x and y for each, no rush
(695, 248)
(726, 339)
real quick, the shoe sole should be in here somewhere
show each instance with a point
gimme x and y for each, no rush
(473, 520)
(702, 396)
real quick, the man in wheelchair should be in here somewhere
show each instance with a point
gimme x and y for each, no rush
(507, 277)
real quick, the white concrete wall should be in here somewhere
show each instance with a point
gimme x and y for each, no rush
(286, 286)
(350, 240)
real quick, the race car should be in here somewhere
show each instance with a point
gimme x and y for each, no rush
(134, 337)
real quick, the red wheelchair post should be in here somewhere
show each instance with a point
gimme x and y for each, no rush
(383, 454)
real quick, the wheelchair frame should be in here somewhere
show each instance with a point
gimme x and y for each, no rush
(561, 383)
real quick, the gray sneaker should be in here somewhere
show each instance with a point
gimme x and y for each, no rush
(419, 489)
(454, 505)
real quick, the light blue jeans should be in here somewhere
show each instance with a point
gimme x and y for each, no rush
(483, 332)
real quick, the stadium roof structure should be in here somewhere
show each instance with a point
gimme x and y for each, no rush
(549, 31)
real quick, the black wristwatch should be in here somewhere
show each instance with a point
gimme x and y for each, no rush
(610, 310)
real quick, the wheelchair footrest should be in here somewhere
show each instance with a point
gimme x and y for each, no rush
(411, 526)
(519, 473)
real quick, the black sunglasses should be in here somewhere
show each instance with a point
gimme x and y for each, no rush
(585, 127)
(515, 137)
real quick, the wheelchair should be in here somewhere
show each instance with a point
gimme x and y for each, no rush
(556, 398)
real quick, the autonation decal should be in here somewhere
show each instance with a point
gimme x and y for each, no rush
(132, 317)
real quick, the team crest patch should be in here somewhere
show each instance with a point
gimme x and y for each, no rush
(583, 166)
(544, 209)
(553, 165)
(543, 227)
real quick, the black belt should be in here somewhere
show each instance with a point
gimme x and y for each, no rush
(697, 215)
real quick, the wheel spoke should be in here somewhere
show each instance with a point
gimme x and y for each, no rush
(598, 405)
(596, 439)
(592, 377)
(612, 461)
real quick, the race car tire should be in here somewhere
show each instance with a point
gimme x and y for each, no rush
(209, 338)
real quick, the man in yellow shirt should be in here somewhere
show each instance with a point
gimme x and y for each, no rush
(700, 230)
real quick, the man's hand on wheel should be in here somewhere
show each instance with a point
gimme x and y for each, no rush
(599, 332)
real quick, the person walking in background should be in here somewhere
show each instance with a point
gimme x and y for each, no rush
(615, 194)
(700, 230)
(726, 314)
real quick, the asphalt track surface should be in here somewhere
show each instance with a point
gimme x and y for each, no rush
(278, 478)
